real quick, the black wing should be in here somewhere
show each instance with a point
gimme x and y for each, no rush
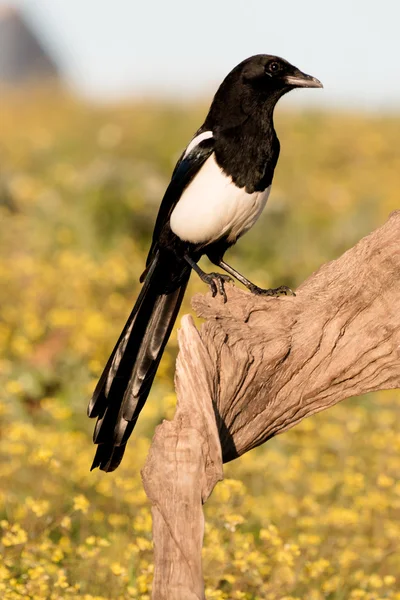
(185, 170)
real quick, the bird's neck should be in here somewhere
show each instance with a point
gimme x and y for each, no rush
(249, 151)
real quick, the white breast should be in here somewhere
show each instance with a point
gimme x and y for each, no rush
(212, 207)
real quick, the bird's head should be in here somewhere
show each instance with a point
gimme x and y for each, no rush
(256, 83)
(270, 74)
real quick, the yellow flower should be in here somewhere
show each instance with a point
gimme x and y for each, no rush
(61, 580)
(57, 555)
(317, 568)
(232, 521)
(375, 581)
(384, 481)
(14, 387)
(81, 503)
(66, 522)
(357, 593)
(38, 507)
(14, 536)
(4, 573)
(116, 568)
(91, 540)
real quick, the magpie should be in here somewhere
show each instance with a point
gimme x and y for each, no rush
(218, 190)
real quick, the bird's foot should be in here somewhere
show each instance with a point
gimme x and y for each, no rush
(282, 290)
(217, 281)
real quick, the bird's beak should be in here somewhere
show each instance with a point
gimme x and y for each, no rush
(300, 79)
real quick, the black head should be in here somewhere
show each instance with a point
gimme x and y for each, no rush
(269, 74)
(255, 85)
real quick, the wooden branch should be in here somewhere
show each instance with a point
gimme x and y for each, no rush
(259, 366)
(182, 468)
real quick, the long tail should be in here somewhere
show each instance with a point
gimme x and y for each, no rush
(127, 378)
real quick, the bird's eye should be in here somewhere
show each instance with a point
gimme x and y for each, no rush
(273, 67)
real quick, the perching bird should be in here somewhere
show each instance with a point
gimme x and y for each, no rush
(218, 190)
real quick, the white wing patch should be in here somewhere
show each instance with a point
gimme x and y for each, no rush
(196, 141)
(212, 206)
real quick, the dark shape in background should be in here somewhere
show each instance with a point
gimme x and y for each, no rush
(23, 58)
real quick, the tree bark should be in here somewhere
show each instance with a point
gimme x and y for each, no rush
(257, 367)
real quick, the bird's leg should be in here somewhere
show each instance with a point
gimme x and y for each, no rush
(216, 281)
(282, 290)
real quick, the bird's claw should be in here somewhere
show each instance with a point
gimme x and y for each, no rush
(282, 290)
(217, 281)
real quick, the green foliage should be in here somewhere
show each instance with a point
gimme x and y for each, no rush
(314, 513)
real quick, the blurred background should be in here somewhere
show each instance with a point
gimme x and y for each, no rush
(97, 101)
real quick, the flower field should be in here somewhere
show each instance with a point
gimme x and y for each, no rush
(315, 513)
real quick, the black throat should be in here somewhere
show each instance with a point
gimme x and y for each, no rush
(247, 147)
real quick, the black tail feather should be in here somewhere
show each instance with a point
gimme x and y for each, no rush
(98, 402)
(126, 381)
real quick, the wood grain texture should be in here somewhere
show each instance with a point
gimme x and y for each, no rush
(182, 468)
(257, 367)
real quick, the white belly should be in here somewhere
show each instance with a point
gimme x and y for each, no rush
(212, 207)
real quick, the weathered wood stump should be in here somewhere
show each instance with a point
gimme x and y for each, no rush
(257, 367)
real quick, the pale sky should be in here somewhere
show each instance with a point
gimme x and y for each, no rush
(117, 48)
